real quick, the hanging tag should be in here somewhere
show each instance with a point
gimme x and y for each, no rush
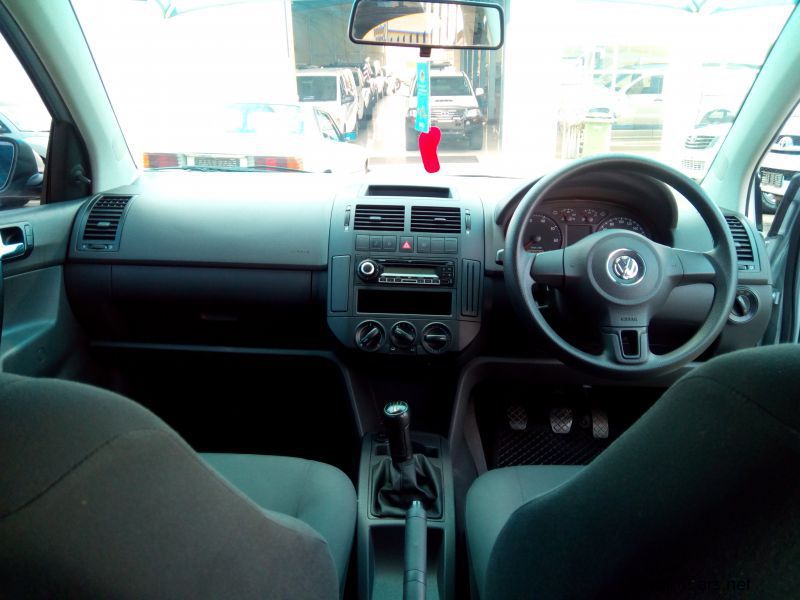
(423, 120)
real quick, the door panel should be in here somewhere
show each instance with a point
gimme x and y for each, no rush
(40, 335)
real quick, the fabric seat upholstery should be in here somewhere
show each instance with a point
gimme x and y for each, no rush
(100, 498)
(315, 493)
(699, 495)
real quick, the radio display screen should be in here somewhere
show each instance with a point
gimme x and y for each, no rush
(401, 271)
(405, 302)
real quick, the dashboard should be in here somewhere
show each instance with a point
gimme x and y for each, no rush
(368, 266)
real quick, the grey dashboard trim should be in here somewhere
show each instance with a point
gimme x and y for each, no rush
(272, 220)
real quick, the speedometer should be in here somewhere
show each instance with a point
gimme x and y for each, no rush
(623, 223)
(542, 234)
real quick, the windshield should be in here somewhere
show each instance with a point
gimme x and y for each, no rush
(654, 78)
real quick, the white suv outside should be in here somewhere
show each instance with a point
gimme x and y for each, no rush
(454, 109)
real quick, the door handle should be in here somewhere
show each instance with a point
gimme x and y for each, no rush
(15, 240)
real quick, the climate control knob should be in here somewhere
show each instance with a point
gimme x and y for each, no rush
(436, 338)
(368, 269)
(403, 335)
(370, 336)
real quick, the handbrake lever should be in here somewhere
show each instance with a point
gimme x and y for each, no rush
(416, 552)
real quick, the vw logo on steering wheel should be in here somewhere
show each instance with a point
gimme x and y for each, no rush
(625, 267)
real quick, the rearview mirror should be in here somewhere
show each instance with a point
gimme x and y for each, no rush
(433, 24)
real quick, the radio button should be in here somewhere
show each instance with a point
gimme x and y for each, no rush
(406, 244)
(389, 243)
(423, 244)
(437, 245)
(362, 242)
(451, 245)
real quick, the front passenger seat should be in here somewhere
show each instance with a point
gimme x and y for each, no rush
(100, 498)
(700, 497)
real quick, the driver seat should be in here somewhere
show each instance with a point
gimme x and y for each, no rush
(700, 496)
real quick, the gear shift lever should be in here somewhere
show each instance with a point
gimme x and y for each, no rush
(397, 420)
(405, 477)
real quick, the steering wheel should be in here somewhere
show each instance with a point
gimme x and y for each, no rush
(621, 278)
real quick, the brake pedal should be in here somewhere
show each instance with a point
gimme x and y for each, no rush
(599, 424)
(517, 417)
(561, 420)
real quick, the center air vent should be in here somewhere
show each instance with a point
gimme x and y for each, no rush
(104, 223)
(436, 219)
(742, 242)
(379, 217)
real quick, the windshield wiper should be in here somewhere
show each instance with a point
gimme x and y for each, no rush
(212, 169)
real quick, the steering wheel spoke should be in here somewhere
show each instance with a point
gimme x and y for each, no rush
(626, 345)
(698, 267)
(548, 268)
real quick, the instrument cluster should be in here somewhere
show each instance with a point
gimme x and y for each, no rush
(559, 224)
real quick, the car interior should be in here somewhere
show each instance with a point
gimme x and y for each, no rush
(580, 382)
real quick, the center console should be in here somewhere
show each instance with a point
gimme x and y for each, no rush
(405, 270)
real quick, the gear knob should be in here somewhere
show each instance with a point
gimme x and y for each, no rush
(397, 420)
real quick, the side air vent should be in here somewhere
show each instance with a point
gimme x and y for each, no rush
(742, 242)
(470, 288)
(373, 217)
(103, 225)
(409, 191)
(436, 219)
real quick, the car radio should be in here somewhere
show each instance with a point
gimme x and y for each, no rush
(388, 271)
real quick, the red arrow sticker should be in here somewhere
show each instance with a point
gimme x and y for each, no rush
(428, 143)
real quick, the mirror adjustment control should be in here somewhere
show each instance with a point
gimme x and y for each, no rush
(370, 336)
(368, 270)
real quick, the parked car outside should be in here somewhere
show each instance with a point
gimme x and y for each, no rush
(269, 137)
(332, 91)
(700, 146)
(454, 109)
(780, 164)
(33, 128)
(364, 94)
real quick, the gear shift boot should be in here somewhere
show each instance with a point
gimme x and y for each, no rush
(394, 487)
(403, 477)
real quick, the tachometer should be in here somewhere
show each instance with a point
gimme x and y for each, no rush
(623, 223)
(542, 234)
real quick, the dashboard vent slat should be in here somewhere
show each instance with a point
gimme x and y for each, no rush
(741, 240)
(103, 223)
(436, 219)
(374, 217)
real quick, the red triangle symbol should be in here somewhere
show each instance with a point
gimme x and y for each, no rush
(406, 245)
